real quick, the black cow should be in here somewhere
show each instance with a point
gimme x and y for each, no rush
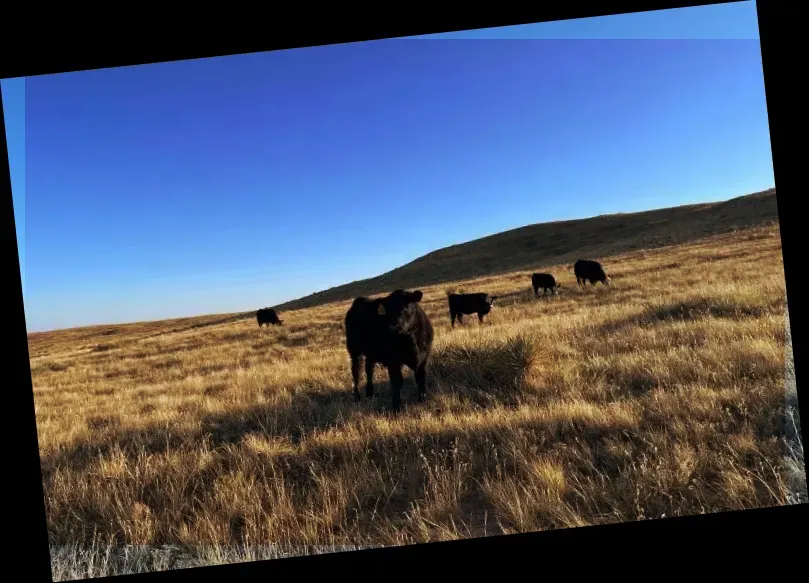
(586, 269)
(467, 304)
(268, 316)
(546, 281)
(393, 331)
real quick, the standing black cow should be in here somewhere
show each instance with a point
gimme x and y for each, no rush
(467, 304)
(546, 281)
(268, 316)
(393, 331)
(586, 269)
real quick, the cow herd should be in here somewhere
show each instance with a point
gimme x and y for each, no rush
(395, 331)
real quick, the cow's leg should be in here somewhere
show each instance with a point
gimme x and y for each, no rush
(355, 376)
(369, 377)
(480, 318)
(452, 318)
(460, 318)
(421, 380)
(396, 382)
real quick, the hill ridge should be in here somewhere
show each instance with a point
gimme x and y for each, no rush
(655, 231)
(528, 247)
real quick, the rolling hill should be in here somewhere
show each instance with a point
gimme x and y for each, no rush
(529, 247)
(538, 245)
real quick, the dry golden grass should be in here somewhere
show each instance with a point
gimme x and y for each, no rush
(661, 396)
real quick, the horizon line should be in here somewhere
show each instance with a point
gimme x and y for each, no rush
(228, 314)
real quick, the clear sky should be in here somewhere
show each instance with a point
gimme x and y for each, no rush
(231, 183)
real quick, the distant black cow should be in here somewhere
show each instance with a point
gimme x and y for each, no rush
(268, 316)
(467, 304)
(393, 331)
(585, 270)
(546, 281)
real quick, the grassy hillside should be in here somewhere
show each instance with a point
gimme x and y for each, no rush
(561, 242)
(663, 395)
(526, 248)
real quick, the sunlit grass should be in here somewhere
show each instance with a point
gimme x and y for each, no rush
(663, 395)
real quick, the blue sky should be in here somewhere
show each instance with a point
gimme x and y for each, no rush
(226, 184)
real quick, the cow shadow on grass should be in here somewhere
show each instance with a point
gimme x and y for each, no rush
(287, 415)
(314, 408)
(517, 297)
(484, 376)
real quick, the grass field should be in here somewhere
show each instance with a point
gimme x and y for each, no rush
(210, 440)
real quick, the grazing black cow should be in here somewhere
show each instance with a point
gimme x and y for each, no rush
(585, 270)
(393, 331)
(467, 304)
(546, 281)
(268, 316)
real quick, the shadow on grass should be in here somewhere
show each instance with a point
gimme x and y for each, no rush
(314, 408)
(483, 375)
(387, 487)
(294, 341)
(521, 296)
(692, 310)
(414, 461)
(306, 412)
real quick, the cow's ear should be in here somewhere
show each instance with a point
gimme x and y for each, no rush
(381, 310)
(417, 295)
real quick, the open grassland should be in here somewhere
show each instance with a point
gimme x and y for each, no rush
(661, 396)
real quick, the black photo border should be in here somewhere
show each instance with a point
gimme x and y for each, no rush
(61, 40)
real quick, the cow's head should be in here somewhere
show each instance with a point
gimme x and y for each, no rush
(397, 308)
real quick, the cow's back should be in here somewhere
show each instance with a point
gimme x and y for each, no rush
(362, 329)
(584, 267)
(543, 279)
